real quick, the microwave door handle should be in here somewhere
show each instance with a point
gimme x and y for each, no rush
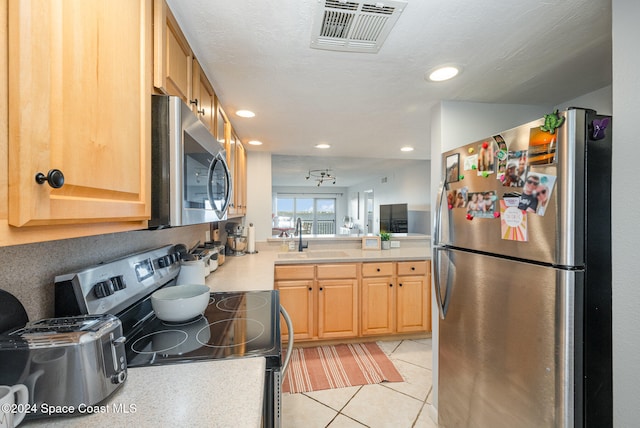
(223, 208)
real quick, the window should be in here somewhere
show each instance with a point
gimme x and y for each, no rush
(318, 215)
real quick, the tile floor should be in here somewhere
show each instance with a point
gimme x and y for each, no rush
(395, 404)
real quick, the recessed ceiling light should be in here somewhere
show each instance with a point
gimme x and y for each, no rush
(255, 143)
(406, 149)
(245, 113)
(443, 73)
(322, 146)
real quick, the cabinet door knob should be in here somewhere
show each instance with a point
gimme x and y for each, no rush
(378, 269)
(320, 288)
(413, 268)
(390, 285)
(310, 289)
(400, 285)
(54, 177)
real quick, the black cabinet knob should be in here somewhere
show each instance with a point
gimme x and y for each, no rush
(378, 269)
(310, 289)
(390, 285)
(54, 177)
(400, 284)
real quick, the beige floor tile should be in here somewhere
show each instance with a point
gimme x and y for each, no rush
(417, 380)
(413, 352)
(378, 407)
(298, 411)
(334, 398)
(424, 420)
(388, 346)
(342, 421)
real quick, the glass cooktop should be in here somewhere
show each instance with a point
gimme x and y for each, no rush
(234, 325)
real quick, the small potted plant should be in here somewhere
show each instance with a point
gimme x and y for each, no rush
(385, 240)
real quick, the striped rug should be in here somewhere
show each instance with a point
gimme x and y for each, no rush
(338, 366)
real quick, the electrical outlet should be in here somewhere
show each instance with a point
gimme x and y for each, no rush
(395, 244)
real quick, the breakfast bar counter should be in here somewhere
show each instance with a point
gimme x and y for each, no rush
(255, 271)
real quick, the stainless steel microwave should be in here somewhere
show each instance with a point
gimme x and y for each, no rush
(190, 180)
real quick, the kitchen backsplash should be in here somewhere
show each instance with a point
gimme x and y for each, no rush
(28, 271)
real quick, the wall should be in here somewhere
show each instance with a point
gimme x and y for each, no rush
(28, 271)
(625, 230)
(259, 193)
(408, 185)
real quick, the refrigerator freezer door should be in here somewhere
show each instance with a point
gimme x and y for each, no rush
(506, 345)
(557, 237)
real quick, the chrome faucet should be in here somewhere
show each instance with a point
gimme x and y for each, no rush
(299, 233)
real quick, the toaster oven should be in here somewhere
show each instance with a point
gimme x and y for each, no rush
(71, 361)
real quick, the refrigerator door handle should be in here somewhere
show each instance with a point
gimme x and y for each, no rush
(442, 308)
(436, 231)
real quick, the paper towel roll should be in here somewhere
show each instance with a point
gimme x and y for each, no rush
(191, 272)
(251, 239)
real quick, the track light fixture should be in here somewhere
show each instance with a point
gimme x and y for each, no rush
(321, 175)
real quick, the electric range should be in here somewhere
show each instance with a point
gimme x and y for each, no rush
(234, 324)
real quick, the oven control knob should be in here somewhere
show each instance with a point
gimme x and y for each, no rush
(103, 289)
(118, 283)
(162, 262)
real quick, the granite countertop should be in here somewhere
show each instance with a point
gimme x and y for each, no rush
(222, 393)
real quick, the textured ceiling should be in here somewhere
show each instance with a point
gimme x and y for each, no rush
(257, 55)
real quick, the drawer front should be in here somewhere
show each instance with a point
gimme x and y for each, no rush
(294, 272)
(420, 267)
(341, 270)
(377, 269)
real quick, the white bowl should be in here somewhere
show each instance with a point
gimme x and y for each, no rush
(180, 302)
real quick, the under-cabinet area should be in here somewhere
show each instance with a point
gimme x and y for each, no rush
(348, 300)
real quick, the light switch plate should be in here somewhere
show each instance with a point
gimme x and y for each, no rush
(395, 244)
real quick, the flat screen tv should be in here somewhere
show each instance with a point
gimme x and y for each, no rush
(393, 218)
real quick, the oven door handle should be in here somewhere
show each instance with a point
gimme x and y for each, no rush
(287, 357)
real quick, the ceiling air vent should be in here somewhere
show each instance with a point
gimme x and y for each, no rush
(354, 26)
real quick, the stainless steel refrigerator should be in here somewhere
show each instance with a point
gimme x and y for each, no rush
(522, 276)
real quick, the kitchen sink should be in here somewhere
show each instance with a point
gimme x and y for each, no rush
(314, 254)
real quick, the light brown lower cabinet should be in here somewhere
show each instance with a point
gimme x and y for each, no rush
(349, 300)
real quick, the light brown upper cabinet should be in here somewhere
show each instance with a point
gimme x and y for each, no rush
(203, 98)
(79, 86)
(240, 194)
(172, 56)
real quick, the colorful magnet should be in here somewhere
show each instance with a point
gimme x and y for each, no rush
(471, 150)
(461, 177)
(598, 128)
(501, 154)
(552, 122)
(485, 174)
(485, 145)
(496, 214)
(474, 167)
(450, 206)
(469, 217)
(513, 221)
